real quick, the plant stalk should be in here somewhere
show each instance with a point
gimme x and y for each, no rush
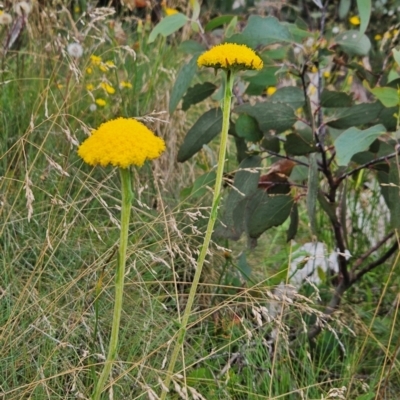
(127, 197)
(226, 109)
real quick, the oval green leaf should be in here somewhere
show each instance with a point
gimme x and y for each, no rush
(247, 128)
(364, 9)
(197, 93)
(167, 26)
(268, 211)
(182, 83)
(353, 141)
(261, 31)
(206, 128)
(353, 43)
(270, 116)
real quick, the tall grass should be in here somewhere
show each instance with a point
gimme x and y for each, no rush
(59, 235)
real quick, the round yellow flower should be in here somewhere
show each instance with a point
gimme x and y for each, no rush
(170, 11)
(108, 88)
(271, 90)
(121, 142)
(125, 84)
(96, 60)
(100, 102)
(355, 20)
(230, 56)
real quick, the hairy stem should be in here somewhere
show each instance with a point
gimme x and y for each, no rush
(207, 238)
(127, 197)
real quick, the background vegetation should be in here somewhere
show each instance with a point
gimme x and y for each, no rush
(313, 163)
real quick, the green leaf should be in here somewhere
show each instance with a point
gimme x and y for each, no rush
(245, 184)
(243, 267)
(168, 26)
(202, 183)
(261, 31)
(241, 148)
(264, 78)
(197, 93)
(191, 47)
(290, 95)
(326, 206)
(331, 99)
(359, 114)
(182, 83)
(300, 143)
(298, 34)
(294, 223)
(386, 95)
(260, 80)
(206, 128)
(266, 212)
(312, 193)
(344, 8)
(353, 141)
(353, 43)
(230, 29)
(387, 117)
(396, 56)
(218, 21)
(271, 143)
(196, 9)
(364, 9)
(247, 128)
(394, 195)
(270, 116)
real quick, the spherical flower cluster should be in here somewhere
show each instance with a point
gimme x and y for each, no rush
(5, 18)
(121, 142)
(230, 56)
(75, 50)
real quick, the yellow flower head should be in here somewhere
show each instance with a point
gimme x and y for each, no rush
(230, 56)
(96, 60)
(378, 37)
(108, 88)
(100, 102)
(89, 70)
(271, 90)
(110, 64)
(121, 142)
(170, 11)
(125, 84)
(355, 20)
(89, 87)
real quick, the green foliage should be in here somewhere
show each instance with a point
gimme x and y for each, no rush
(207, 127)
(261, 31)
(167, 26)
(182, 83)
(353, 141)
(196, 94)
(335, 115)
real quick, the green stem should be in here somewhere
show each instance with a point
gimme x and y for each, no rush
(226, 106)
(127, 197)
